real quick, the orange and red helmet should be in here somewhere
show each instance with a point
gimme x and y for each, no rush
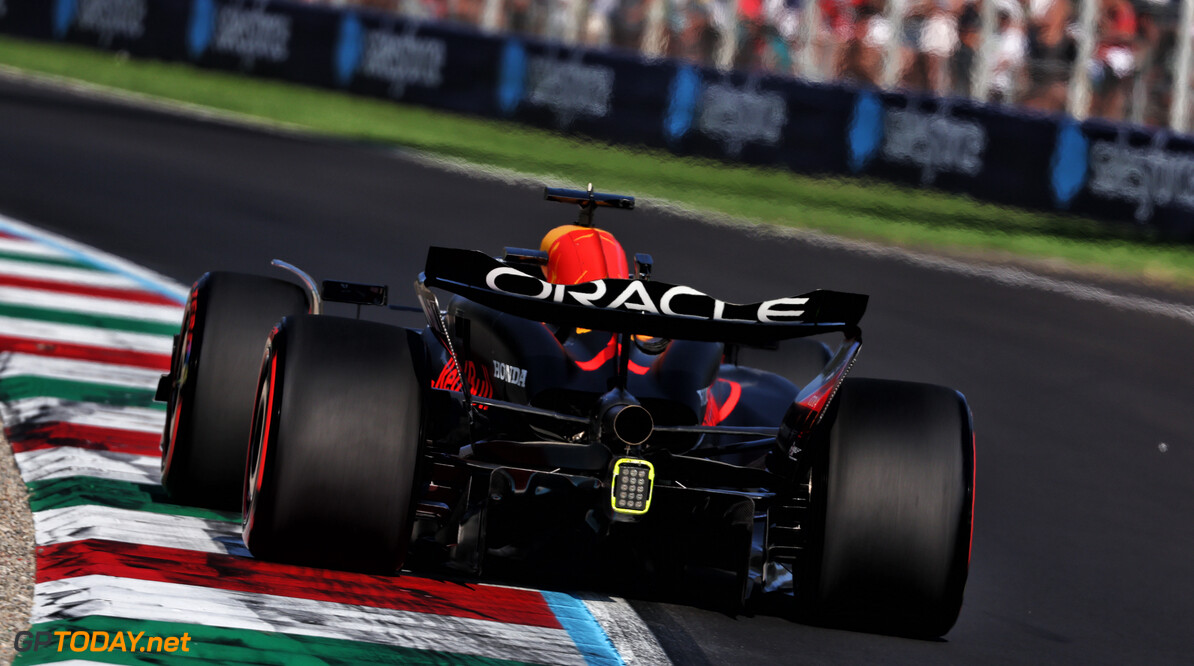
(578, 254)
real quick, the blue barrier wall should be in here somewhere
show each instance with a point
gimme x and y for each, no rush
(993, 153)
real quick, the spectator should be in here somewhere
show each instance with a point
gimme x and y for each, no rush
(1115, 59)
(1011, 47)
(693, 36)
(832, 36)
(781, 25)
(938, 41)
(597, 28)
(750, 34)
(862, 57)
(1032, 54)
(1051, 55)
(966, 55)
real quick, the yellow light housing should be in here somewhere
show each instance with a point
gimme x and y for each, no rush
(632, 486)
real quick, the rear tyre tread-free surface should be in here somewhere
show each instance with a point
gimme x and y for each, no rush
(893, 509)
(332, 470)
(217, 356)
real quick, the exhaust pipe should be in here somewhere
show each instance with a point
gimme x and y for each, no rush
(629, 424)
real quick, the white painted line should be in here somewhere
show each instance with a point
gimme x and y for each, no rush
(63, 461)
(45, 409)
(44, 331)
(54, 300)
(134, 599)
(13, 364)
(90, 521)
(30, 248)
(625, 629)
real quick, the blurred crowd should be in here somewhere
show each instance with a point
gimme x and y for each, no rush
(1022, 52)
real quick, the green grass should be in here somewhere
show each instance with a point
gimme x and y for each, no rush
(854, 208)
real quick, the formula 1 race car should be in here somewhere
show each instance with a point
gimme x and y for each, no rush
(558, 414)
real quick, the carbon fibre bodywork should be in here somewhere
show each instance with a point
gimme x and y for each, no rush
(520, 450)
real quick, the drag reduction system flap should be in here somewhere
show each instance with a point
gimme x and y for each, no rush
(639, 306)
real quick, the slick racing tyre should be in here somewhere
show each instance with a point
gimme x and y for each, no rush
(213, 376)
(895, 492)
(335, 444)
(797, 361)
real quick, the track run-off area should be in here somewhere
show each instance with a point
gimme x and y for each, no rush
(1081, 396)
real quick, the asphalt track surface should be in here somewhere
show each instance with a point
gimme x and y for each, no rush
(1084, 540)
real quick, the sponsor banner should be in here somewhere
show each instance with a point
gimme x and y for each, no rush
(1145, 176)
(411, 61)
(952, 145)
(275, 39)
(724, 114)
(107, 22)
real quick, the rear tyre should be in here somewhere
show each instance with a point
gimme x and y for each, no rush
(213, 376)
(331, 470)
(895, 496)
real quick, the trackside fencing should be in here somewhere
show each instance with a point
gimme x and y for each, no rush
(994, 153)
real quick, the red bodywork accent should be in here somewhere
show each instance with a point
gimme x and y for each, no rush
(715, 413)
(479, 383)
(610, 351)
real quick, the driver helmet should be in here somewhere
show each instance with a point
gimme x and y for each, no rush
(578, 254)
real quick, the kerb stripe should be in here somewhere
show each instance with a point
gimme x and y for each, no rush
(136, 599)
(51, 435)
(134, 295)
(137, 359)
(238, 574)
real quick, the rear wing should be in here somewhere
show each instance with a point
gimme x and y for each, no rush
(639, 306)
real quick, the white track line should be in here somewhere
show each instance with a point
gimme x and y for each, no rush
(634, 641)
